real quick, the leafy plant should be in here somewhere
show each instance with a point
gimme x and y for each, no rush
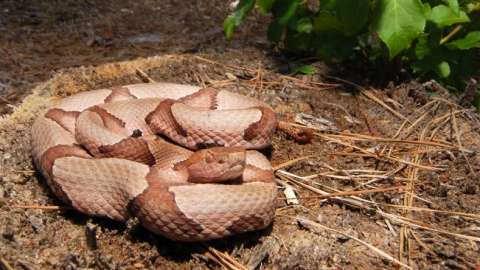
(437, 38)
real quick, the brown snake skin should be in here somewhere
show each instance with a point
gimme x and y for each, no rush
(103, 152)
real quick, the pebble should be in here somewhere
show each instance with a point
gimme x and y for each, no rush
(321, 218)
(8, 233)
(441, 191)
(445, 251)
(453, 264)
(470, 189)
(146, 38)
(37, 223)
(347, 221)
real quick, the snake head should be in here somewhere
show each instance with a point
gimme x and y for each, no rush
(215, 164)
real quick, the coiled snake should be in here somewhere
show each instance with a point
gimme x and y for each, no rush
(128, 151)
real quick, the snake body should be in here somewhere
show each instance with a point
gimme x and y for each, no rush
(179, 158)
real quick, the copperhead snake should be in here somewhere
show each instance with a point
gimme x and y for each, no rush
(129, 151)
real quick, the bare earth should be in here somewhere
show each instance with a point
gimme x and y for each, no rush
(410, 153)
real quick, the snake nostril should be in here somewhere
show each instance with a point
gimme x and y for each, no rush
(136, 133)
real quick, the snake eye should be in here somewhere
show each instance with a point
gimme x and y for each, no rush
(221, 161)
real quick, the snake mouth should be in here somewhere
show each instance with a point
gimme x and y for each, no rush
(233, 172)
(238, 167)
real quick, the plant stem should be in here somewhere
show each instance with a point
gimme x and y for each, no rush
(451, 34)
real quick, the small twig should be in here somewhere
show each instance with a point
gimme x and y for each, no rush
(316, 227)
(459, 141)
(421, 209)
(225, 65)
(421, 243)
(348, 115)
(260, 77)
(4, 100)
(451, 34)
(414, 124)
(144, 76)
(262, 251)
(6, 264)
(383, 104)
(42, 207)
(355, 85)
(367, 121)
(385, 176)
(291, 177)
(226, 260)
(401, 241)
(359, 202)
(302, 83)
(199, 80)
(363, 137)
(417, 224)
(360, 177)
(359, 192)
(215, 259)
(291, 162)
(378, 156)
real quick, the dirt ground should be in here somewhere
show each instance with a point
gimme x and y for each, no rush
(408, 151)
(41, 37)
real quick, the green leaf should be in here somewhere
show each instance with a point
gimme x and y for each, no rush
(298, 42)
(470, 41)
(353, 14)
(328, 4)
(229, 26)
(422, 48)
(234, 19)
(427, 9)
(325, 21)
(472, 7)
(346, 16)
(443, 16)
(284, 10)
(453, 4)
(443, 69)
(306, 69)
(265, 5)
(334, 46)
(398, 23)
(304, 25)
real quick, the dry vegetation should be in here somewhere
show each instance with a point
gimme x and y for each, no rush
(389, 179)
